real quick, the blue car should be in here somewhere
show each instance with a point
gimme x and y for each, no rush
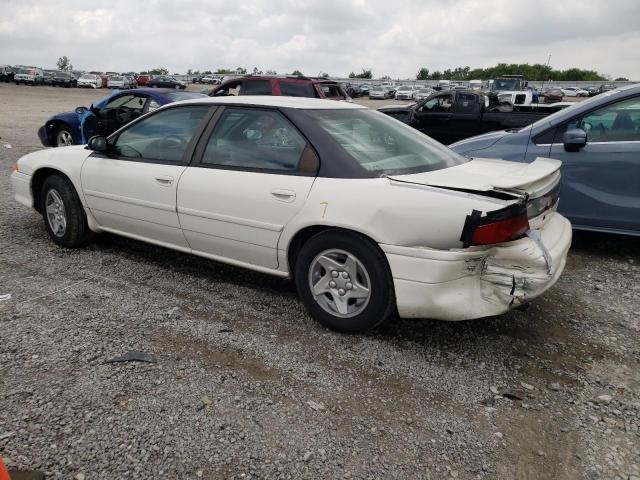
(598, 142)
(106, 116)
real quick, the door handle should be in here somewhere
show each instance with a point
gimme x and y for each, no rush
(164, 180)
(284, 195)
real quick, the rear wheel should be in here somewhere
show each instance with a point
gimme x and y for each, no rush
(64, 216)
(344, 281)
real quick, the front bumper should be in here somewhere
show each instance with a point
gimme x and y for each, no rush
(21, 183)
(43, 136)
(479, 281)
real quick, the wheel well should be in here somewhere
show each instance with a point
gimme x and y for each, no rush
(53, 125)
(38, 180)
(301, 237)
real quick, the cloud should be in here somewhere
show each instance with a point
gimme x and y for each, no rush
(334, 36)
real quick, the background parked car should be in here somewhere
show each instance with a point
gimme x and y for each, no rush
(90, 80)
(143, 80)
(130, 81)
(405, 92)
(47, 77)
(364, 89)
(165, 81)
(117, 81)
(29, 76)
(593, 91)
(380, 92)
(6, 73)
(606, 87)
(574, 92)
(64, 79)
(552, 95)
(423, 93)
(598, 142)
(452, 115)
(106, 116)
(209, 80)
(288, 86)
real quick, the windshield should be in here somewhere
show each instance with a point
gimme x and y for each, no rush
(88, 77)
(116, 79)
(506, 84)
(404, 89)
(177, 96)
(26, 71)
(383, 145)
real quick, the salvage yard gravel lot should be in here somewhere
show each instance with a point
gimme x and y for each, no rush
(246, 385)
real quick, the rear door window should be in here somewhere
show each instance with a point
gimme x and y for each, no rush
(465, 103)
(297, 89)
(331, 91)
(249, 139)
(256, 87)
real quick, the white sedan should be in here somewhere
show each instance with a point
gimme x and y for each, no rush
(574, 92)
(367, 215)
(117, 81)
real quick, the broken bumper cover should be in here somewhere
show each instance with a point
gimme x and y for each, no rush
(478, 281)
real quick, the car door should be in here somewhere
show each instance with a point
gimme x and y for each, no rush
(434, 115)
(465, 119)
(131, 190)
(120, 110)
(252, 173)
(601, 181)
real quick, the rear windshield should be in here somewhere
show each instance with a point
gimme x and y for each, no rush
(382, 144)
(177, 96)
(297, 89)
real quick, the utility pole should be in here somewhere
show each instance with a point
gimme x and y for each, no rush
(548, 62)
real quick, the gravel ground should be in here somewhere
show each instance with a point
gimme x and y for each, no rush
(246, 385)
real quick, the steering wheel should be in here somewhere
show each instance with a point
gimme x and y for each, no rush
(122, 114)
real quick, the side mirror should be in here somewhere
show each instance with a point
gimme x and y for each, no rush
(574, 139)
(81, 110)
(98, 143)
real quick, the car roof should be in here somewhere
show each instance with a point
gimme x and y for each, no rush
(304, 103)
(594, 102)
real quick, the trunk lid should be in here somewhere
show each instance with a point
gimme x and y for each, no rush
(487, 174)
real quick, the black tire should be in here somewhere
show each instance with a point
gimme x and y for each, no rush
(77, 232)
(381, 303)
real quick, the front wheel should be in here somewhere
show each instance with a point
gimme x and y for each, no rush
(64, 216)
(344, 281)
(62, 137)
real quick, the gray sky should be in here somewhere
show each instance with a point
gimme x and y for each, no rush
(333, 36)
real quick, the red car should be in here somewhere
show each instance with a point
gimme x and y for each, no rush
(288, 86)
(143, 80)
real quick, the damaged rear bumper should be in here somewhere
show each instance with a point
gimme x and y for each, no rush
(478, 282)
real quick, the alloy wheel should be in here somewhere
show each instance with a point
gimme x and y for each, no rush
(339, 283)
(56, 213)
(64, 139)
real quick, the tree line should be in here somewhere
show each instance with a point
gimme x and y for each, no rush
(536, 71)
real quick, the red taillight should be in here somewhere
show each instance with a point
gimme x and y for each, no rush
(500, 231)
(498, 226)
